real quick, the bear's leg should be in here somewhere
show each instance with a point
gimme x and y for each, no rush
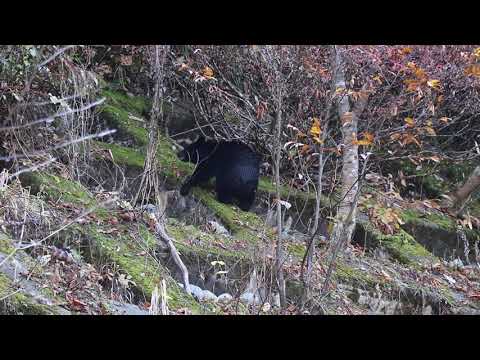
(224, 196)
(247, 201)
(224, 193)
(200, 175)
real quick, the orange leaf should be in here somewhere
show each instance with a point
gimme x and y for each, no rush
(366, 140)
(412, 84)
(207, 72)
(473, 70)
(305, 148)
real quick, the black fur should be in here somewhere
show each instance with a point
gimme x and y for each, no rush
(234, 165)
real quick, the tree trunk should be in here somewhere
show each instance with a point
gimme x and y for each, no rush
(279, 248)
(462, 194)
(349, 188)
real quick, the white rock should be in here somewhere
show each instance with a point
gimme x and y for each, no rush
(224, 298)
(217, 228)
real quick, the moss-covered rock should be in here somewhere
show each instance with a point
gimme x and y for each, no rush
(356, 277)
(15, 302)
(438, 233)
(401, 246)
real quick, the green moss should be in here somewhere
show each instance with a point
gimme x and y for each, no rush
(144, 271)
(265, 185)
(355, 277)
(120, 119)
(209, 243)
(133, 104)
(6, 246)
(402, 246)
(123, 155)
(60, 189)
(172, 167)
(297, 250)
(245, 225)
(20, 303)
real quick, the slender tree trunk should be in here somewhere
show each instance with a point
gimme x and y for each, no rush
(348, 124)
(462, 194)
(344, 223)
(279, 248)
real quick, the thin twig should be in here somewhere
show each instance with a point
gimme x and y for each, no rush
(68, 143)
(50, 119)
(57, 53)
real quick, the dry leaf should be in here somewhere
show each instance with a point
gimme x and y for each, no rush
(347, 118)
(315, 130)
(207, 72)
(435, 84)
(410, 122)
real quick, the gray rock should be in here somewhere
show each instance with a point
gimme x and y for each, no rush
(456, 264)
(208, 296)
(218, 228)
(196, 291)
(225, 298)
(119, 308)
(250, 298)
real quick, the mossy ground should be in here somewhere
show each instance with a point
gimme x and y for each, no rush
(122, 249)
(356, 277)
(6, 245)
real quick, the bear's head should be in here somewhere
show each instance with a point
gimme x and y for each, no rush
(197, 151)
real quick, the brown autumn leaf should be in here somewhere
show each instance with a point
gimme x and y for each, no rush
(127, 216)
(473, 70)
(113, 221)
(347, 118)
(261, 110)
(395, 136)
(410, 139)
(304, 150)
(207, 72)
(412, 84)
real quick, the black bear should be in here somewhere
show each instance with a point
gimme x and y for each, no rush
(234, 165)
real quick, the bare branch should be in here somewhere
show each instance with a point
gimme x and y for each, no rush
(57, 53)
(65, 144)
(50, 119)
